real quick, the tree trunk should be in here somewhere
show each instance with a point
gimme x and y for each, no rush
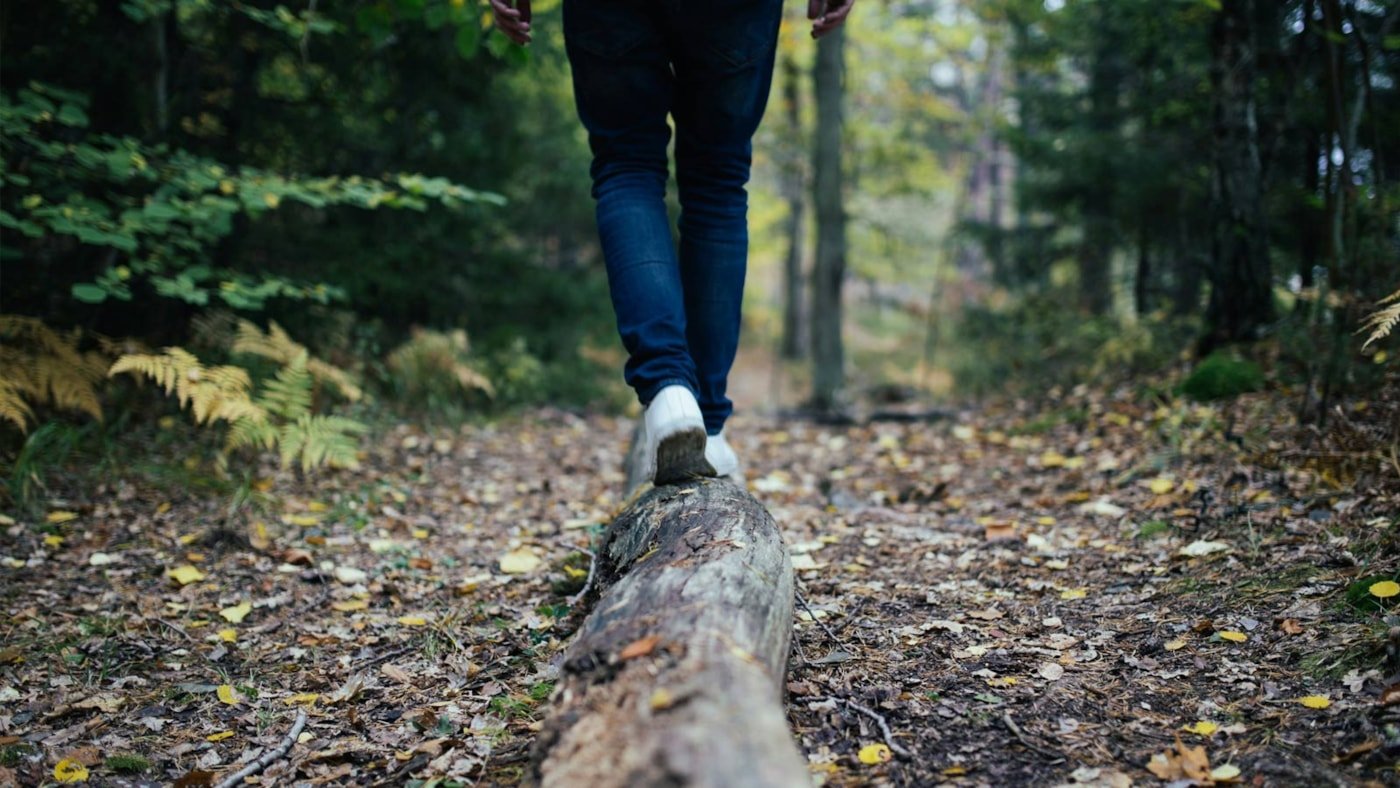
(829, 273)
(676, 677)
(792, 186)
(1096, 251)
(1241, 298)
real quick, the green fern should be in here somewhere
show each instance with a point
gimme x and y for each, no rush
(1383, 321)
(320, 440)
(288, 393)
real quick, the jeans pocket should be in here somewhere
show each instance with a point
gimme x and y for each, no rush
(608, 29)
(743, 37)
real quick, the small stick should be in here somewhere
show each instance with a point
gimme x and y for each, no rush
(267, 757)
(884, 728)
(801, 600)
(587, 584)
(1021, 737)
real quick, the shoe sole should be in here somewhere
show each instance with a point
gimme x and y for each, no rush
(681, 457)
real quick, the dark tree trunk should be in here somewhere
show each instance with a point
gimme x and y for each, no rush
(792, 186)
(829, 273)
(1096, 251)
(1241, 298)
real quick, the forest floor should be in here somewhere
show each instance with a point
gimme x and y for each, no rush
(1101, 593)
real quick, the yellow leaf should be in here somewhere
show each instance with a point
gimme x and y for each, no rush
(53, 540)
(220, 736)
(184, 575)
(1161, 486)
(63, 517)
(954, 771)
(271, 200)
(236, 614)
(874, 753)
(1202, 728)
(188, 538)
(225, 693)
(1074, 593)
(1175, 645)
(1046, 520)
(70, 771)
(163, 508)
(575, 572)
(228, 635)
(1385, 589)
(1315, 701)
(1233, 637)
(413, 621)
(520, 561)
(316, 506)
(301, 519)
(1052, 459)
(350, 605)
(301, 699)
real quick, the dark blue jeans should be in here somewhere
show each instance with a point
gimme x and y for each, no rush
(708, 65)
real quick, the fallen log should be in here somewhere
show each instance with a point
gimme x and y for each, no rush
(676, 676)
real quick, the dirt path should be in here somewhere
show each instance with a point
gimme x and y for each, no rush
(1014, 595)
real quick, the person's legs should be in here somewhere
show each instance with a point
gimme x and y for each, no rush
(723, 71)
(624, 89)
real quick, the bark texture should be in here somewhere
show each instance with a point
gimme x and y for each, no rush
(676, 676)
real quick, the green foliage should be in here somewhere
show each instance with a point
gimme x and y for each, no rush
(43, 450)
(128, 763)
(160, 212)
(1222, 376)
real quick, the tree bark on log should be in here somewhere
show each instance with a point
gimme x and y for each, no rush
(676, 676)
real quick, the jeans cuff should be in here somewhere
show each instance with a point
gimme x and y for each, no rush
(647, 395)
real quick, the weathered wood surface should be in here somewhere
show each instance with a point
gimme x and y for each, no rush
(676, 677)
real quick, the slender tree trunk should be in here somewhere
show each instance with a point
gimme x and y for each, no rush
(792, 187)
(1142, 283)
(829, 273)
(1241, 298)
(1096, 251)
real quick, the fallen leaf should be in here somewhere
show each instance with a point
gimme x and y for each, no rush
(350, 605)
(1233, 637)
(1103, 507)
(70, 771)
(57, 518)
(1315, 701)
(1385, 589)
(350, 575)
(1174, 645)
(225, 693)
(520, 561)
(872, 754)
(228, 635)
(220, 736)
(1181, 762)
(236, 614)
(103, 559)
(184, 575)
(1074, 593)
(801, 563)
(302, 699)
(1226, 773)
(1290, 626)
(1160, 486)
(639, 647)
(1051, 671)
(413, 621)
(1202, 728)
(1202, 547)
(304, 520)
(53, 540)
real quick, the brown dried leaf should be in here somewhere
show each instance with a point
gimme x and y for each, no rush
(640, 647)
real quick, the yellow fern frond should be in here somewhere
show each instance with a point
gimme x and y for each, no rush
(277, 345)
(212, 393)
(46, 367)
(1381, 322)
(13, 407)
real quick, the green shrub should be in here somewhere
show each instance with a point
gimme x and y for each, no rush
(1222, 376)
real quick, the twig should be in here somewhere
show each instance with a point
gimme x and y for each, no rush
(385, 657)
(884, 728)
(801, 600)
(267, 757)
(587, 584)
(1021, 737)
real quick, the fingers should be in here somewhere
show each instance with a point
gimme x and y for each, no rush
(814, 8)
(513, 22)
(834, 17)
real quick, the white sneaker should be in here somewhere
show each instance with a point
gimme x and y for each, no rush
(675, 438)
(721, 455)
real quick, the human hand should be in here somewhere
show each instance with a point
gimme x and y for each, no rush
(827, 15)
(513, 19)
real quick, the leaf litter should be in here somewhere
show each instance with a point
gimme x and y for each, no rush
(995, 603)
